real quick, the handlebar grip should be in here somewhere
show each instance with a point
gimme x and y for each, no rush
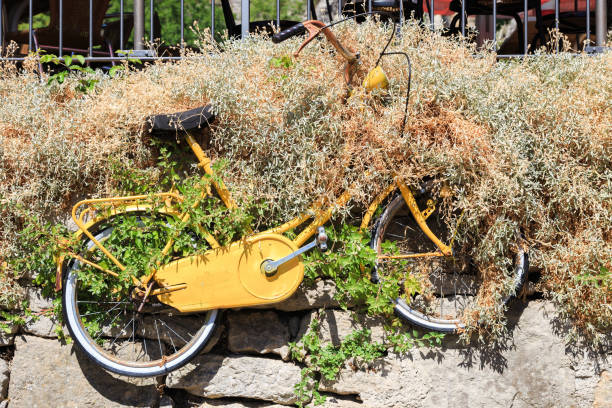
(288, 33)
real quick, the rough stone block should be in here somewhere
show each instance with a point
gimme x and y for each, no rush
(45, 373)
(321, 295)
(4, 378)
(216, 376)
(259, 332)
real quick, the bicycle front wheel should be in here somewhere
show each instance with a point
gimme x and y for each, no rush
(110, 319)
(439, 293)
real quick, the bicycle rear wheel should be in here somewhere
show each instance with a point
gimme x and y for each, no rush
(106, 314)
(449, 289)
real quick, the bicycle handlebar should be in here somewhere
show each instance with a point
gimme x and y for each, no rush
(288, 33)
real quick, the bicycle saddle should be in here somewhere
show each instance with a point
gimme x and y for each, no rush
(192, 119)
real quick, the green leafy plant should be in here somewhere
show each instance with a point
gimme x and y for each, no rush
(324, 361)
(284, 61)
(68, 65)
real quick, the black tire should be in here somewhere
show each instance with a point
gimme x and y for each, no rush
(121, 339)
(459, 291)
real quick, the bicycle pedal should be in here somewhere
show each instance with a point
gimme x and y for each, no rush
(321, 239)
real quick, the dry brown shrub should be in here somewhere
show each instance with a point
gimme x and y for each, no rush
(525, 143)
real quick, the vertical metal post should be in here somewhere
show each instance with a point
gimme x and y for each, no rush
(151, 22)
(30, 27)
(370, 6)
(308, 13)
(588, 22)
(90, 53)
(525, 27)
(212, 16)
(245, 18)
(61, 28)
(339, 9)
(495, 25)
(401, 19)
(556, 23)
(601, 23)
(212, 22)
(139, 24)
(1, 28)
(463, 18)
(432, 14)
(121, 28)
(278, 14)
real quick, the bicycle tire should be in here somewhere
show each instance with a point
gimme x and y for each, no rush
(189, 333)
(418, 311)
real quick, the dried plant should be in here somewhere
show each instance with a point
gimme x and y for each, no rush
(525, 143)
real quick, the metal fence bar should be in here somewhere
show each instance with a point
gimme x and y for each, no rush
(308, 11)
(212, 16)
(601, 23)
(121, 28)
(556, 24)
(432, 14)
(139, 35)
(90, 28)
(245, 18)
(138, 24)
(61, 28)
(525, 27)
(30, 27)
(494, 25)
(1, 28)
(463, 18)
(588, 22)
(151, 22)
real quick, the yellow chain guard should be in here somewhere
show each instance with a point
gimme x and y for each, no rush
(231, 277)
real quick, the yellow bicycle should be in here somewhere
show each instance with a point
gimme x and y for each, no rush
(138, 320)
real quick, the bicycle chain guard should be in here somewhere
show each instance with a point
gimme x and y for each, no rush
(230, 277)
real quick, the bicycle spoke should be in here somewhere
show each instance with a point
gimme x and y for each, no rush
(161, 353)
(111, 323)
(170, 328)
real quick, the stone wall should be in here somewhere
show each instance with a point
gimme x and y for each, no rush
(247, 365)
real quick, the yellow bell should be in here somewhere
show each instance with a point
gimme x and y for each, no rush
(376, 79)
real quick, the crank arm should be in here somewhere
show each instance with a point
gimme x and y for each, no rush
(270, 267)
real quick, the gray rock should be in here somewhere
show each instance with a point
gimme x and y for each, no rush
(321, 295)
(45, 373)
(215, 376)
(36, 301)
(4, 378)
(603, 391)
(41, 326)
(234, 404)
(331, 402)
(257, 332)
(336, 325)
(8, 338)
(533, 371)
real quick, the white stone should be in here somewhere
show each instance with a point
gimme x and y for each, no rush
(534, 371)
(216, 376)
(45, 373)
(4, 378)
(321, 295)
(259, 332)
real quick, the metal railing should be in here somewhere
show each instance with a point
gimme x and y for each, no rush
(100, 51)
